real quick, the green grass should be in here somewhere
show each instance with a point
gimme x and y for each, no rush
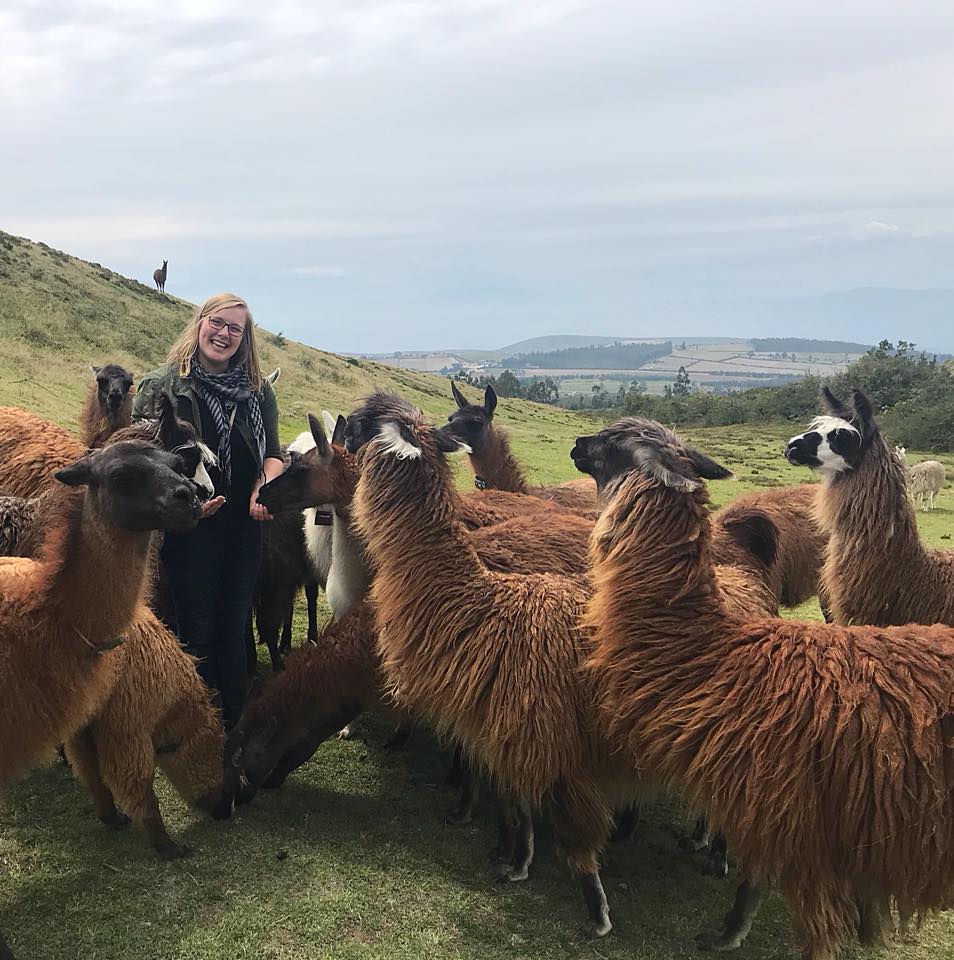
(352, 858)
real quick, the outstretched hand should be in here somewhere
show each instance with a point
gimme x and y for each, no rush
(211, 506)
(256, 510)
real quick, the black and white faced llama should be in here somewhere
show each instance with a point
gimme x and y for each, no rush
(877, 570)
(825, 753)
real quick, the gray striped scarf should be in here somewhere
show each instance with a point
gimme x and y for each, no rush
(222, 392)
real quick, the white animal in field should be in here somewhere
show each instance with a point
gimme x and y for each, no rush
(925, 479)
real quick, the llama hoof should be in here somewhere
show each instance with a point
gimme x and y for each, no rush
(173, 851)
(596, 931)
(459, 818)
(716, 867)
(115, 820)
(345, 733)
(719, 942)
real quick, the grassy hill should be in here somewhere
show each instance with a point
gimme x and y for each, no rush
(58, 314)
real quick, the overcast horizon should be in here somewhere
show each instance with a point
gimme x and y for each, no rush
(376, 176)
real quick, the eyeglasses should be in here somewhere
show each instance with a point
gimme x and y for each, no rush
(217, 323)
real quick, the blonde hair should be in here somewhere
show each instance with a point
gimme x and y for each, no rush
(183, 350)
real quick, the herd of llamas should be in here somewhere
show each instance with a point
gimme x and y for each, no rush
(576, 646)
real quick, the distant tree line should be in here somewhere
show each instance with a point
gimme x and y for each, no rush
(912, 391)
(610, 356)
(801, 345)
(508, 384)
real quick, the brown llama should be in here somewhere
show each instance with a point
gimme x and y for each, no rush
(159, 276)
(495, 466)
(490, 659)
(877, 571)
(158, 711)
(77, 598)
(825, 753)
(108, 404)
(62, 613)
(801, 542)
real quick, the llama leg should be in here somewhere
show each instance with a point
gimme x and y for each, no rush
(268, 619)
(83, 758)
(523, 849)
(469, 781)
(129, 768)
(738, 921)
(506, 836)
(311, 602)
(624, 823)
(718, 864)
(288, 621)
(5, 952)
(581, 823)
(699, 838)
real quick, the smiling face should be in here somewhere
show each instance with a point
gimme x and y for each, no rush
(221, 334)
(831, 444)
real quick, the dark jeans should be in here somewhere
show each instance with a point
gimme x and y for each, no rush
(212, 573)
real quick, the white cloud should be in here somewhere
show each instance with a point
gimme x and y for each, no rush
(878, 228)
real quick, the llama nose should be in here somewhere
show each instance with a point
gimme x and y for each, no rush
(184, 492)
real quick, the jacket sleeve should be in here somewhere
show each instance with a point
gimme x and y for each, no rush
(273, 447)
(147, 394)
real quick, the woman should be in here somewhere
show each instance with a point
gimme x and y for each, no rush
(213, 378)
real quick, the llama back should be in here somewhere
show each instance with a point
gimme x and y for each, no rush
(31, 449)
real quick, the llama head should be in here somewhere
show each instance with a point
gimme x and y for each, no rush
(647, 447)
(136, 486)
(321, 473)
(837, 441)
(113, 384)
(471, 422)
(399, 428)
(196, 767)
(179, 436)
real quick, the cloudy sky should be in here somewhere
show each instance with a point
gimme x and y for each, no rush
(378, 175)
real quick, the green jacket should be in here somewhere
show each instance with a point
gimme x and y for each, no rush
(185, 400)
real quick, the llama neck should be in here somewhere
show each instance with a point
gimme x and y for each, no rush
(406, 513)
(99, 574)
(496, 465)
(868, 518)
(350, 573)
(654, 571)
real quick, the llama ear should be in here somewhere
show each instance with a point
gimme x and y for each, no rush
(272, 378)
(458, 396)
(338, 433)
(834, 406)
(448, 443)
(329, 423)
(490, 400)
(319, 436)
(94, 371)
(190, 456)
(706, 467)
(756, 532)
(863, 411)
(171, 429)
(76, 474)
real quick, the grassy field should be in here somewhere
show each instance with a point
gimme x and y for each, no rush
(352, 858)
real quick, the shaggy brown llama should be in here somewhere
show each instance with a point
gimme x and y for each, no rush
(495, 466)
(108, 404)
(825, 753)
(490, 659)
(62, 613)
(877, 570)
(158, 711)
